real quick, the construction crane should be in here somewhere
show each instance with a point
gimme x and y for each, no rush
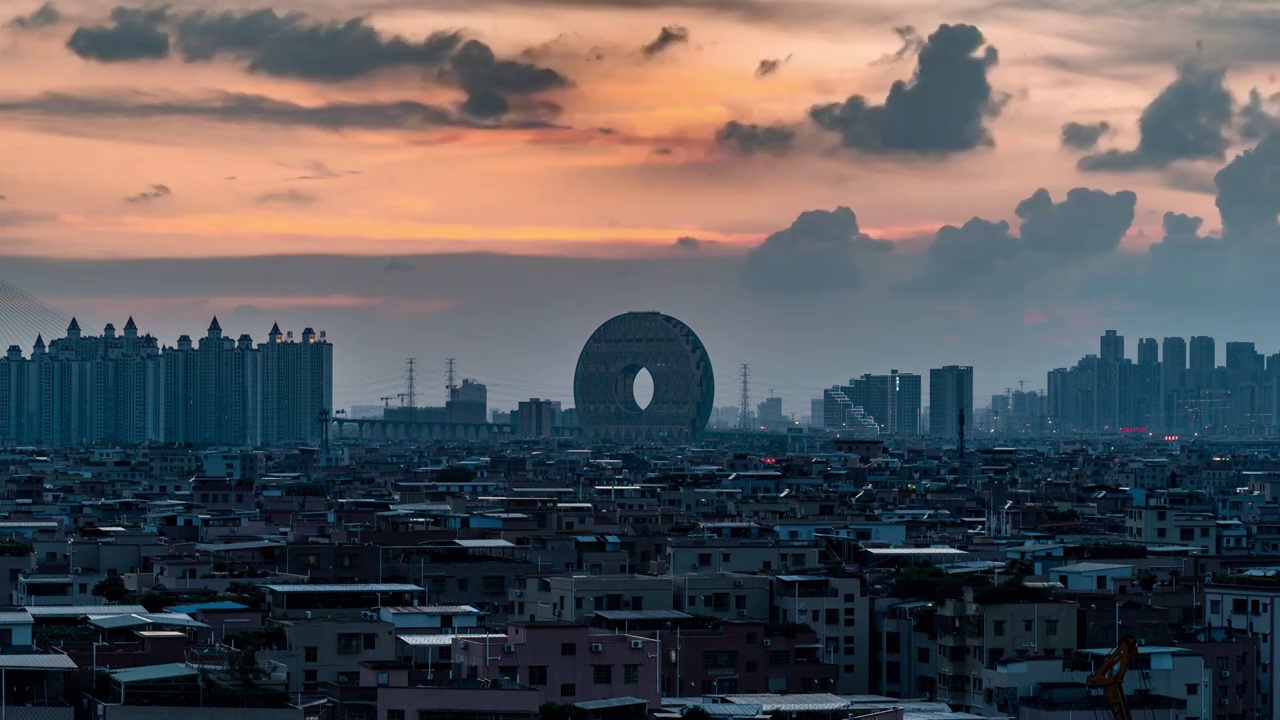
(1109, 677)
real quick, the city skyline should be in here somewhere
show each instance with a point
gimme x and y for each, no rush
(128, 388)
(417, 206)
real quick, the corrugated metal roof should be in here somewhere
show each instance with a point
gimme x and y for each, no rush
(369, 588)
(112, 622)
(37, 661)
(232, 547)
(65, 611)
(15, 617)
(729, 709)
(150, 673)
(1086, 567)
(197, 607)
(914, 551)
(800, 702)
(443, 640)
(431, 610)
(491, 543)
(641, 614)
(611, 703)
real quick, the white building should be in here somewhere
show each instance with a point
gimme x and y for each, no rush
(1253, 610)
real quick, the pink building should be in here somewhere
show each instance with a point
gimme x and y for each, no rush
(566, 662)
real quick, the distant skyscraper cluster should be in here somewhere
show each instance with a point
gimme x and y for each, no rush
(1173, 387)
(891, 402)
(127, 389)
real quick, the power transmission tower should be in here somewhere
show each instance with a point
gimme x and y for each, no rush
(449, 386)
(745, 410)
(410, 390)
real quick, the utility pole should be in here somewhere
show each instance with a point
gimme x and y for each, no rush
(745, 410)
(410, 391)
(449, 386)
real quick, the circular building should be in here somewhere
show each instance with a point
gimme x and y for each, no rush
(604, 384)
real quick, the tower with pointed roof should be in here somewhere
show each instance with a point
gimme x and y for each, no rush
(297, 385)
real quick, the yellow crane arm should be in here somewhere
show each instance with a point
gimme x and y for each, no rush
(1109, 677)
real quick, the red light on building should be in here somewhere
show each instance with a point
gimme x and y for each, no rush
(1133, 430)
(1171, 438)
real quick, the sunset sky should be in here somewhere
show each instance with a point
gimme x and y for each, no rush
(512, 173)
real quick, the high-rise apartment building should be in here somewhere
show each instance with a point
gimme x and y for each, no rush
(297, 386)
(1244, 357)
(893, 400)
(81, 389)
(1203, 355)
(1112, 347)
(126, 389)
(1148, 351)
(769, 414)
(213, 390)
(468, 402)
(534, 418)
(950, 393)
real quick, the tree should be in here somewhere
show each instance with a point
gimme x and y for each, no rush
(1146, 580)
(112, 590)
(247, 593)
(693, 712)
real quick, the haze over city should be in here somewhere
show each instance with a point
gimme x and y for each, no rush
(491, 180)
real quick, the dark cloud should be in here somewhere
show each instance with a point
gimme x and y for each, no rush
(750, 139)
(489, 81)
(668, 37)
(942, 109)
(821, 252)
(1256, 121)
(769, 66)
(1188, 120)
(1084, 136)
(1087, 222)
(688, 243)
(292, 196)
(965, 257)
(134, 34)
(984, 257)
(244, 108)
(42, 17)
(912, 43)
(1249, 194)
(294, 45)
(156, 192)
(1181, 227)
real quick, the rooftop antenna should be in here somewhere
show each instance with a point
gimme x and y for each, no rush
(745, 410)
